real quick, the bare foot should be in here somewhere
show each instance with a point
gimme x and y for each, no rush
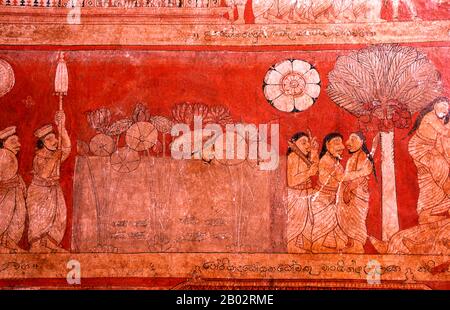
(240, 20)
(13, 247)
(315, 249)
(38, 248)
(415, 247)
(16, 250)
(355, 248)
(425, 217)
(292, 249)
(380, 246)
(55, 248)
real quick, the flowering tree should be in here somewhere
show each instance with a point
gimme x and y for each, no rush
(383, 85)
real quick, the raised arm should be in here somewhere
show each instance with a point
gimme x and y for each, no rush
(60, 119)
(297, 176)
(314, 150)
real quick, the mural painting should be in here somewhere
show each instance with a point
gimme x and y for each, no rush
(222, 144)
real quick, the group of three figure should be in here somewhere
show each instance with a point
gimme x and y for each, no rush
(331, 216)
(43, 202)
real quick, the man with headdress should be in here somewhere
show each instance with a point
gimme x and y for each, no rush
(354, 203)
(302, 164)
(327, 235)
(45, 199)
(425, 148)
(12, 193)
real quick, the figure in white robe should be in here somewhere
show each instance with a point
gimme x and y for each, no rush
(429, 147)
(45, 198)
(303, 160)
(12, 193)
(431, 162)
(327, 233)
(353, 206)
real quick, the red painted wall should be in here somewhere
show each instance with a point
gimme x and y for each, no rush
(118, 79)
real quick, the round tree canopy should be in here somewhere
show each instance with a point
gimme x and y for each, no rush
(381, 77)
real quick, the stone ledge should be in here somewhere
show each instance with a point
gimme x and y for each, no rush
(411, 269)
(139, 34)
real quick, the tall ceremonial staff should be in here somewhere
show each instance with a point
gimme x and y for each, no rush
(61, 87)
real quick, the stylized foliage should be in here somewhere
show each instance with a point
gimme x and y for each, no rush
(185, 113)
(161, 123)
(140, 113)
(119, 127)
(219, 114)
(384, 80)
(99, 119)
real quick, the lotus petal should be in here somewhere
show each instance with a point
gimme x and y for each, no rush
(312, 76)
(284, 67)
(273, 77)
(303, 103)
(272, 91)
(284, 103)
(301, 66)
(313, 90)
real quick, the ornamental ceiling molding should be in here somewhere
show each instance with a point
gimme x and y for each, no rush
(50, 26)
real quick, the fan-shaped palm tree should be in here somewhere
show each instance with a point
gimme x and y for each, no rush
(383, 85)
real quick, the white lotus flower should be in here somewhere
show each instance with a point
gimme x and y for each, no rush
(292, 85)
